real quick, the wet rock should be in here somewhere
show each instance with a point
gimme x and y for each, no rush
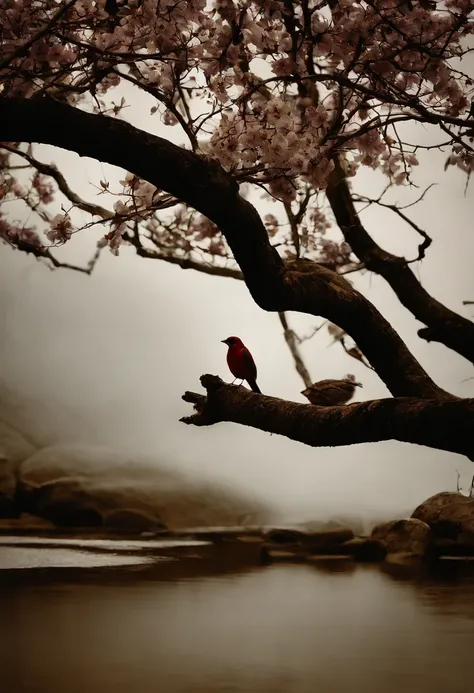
(25, 524)
(365, 550)
(63, 502)
(324, 545)
(131, 521)
(75, 514)
(221, 533)
(294, 544)
(402, 558)
(13, 450)
(272, 555)
(250, 539)
(450, 516)
(296, 549)
(314, 539)
(328, 557)
(8, 482)
(284, 536)
(118, 480)
(429, 510)
(410, 536)
(452, 548)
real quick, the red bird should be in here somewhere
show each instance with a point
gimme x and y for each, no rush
(241, 363)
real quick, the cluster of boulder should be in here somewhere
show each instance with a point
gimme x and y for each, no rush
(75, 488)
(28, 506)
(441, 527)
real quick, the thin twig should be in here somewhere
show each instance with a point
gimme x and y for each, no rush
(292, 341)
(53, 172)
(427, 239)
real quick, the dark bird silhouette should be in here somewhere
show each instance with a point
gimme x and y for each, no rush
(328, 393)
(240, 362)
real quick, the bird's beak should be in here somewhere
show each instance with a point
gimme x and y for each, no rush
(224, 341)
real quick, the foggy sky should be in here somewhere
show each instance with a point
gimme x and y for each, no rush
(105, 359)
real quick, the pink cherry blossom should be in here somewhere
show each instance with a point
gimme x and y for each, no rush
(274, 97)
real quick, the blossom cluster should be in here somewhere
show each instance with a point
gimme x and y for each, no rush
(274, 90)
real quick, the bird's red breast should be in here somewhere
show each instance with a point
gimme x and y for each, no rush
(239, 359)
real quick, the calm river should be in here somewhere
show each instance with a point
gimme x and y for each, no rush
(275, 629)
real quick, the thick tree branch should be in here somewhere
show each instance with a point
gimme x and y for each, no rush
(445, 425)
(200, 182)
(442, 324)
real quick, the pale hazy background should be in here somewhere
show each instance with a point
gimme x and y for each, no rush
(104, 360)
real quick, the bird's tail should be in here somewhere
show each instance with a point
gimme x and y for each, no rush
(254, 386)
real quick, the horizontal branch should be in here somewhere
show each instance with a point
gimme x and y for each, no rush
(201, 182)
(442, 324)
(183, 262)
(445, 425)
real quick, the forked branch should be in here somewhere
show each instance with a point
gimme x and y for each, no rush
(442, 324)
(201, 182)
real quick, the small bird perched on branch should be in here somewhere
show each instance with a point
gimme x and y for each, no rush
(240, 362)
(328, 393)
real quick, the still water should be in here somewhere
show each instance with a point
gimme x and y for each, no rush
(275, 629)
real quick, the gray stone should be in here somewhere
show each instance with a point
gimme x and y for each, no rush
(450, 516)
(410, 536)
(62, 502)
(130, 522)
(321, 538)
(8, 481)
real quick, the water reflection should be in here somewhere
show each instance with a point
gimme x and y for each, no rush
(275, 629)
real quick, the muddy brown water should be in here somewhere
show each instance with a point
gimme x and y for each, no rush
(202, 626)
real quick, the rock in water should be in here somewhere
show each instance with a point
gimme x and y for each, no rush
(64, 502)
(128, 521)
(412, 537)
(74, 484)
(318, 538)
(450, 516)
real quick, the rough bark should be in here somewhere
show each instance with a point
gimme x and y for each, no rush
(201, 182)
(442, 424)
(442, 324)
